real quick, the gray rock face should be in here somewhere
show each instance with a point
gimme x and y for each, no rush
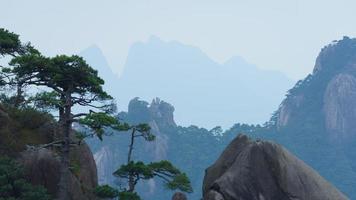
(340, 106)
(287, 109)
(260, 170)
(157, 114)
(162, 112)
(329, 93)
(105, 160)
(43, 167)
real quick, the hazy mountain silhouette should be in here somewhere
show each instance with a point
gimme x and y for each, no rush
(95, 57)
(204, 92)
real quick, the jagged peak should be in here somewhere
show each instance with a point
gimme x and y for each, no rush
(337, 55)
(140, 111)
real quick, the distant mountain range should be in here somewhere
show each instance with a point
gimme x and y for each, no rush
(204, 92)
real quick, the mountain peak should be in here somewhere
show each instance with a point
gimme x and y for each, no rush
(338, 55)
(96, 59)
(140, 111)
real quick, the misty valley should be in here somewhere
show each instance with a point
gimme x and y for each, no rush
(175, 125)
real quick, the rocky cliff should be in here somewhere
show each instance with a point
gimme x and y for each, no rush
(340, 106)
(159, 115)
(326, 97)
(261, 170)
(20, 130)
(112, 151)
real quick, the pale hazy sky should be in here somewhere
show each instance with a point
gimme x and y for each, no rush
(284, 35)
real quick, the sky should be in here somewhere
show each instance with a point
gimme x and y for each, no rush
(283, 35)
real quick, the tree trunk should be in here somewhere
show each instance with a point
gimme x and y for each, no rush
(66, 123)
(131, 176)
(131, 146)
(19, 95)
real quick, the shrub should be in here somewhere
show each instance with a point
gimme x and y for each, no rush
(13, 185)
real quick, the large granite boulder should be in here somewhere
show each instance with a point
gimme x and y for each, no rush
(43, 167)
(262, 170)
(23, 131)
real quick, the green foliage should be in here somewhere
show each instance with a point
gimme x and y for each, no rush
(129, 196)
(29, 117)
(13, 186)
(75, 167)
(9, 42)
(164, 170)
(73, 72)
(144, 131)
(180, 182)
(174, 178)
(99, 121)
(64, 74)
(139, 169)
(105, 191)
(46, 101)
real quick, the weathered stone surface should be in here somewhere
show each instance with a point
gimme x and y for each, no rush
(328, 95)
(105, 162)
(158, 114)
(287, 109)
(340, 106)
(21, 135)
(162, 112)
(260, 170)
(42, 167)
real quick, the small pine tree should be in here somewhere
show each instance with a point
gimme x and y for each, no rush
(135, 171)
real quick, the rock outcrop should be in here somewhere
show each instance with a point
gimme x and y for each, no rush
(326, 97)
(42, 167)
(159, 115)
(340, 106)
(106, 163)
(261, 170)
(22, 131)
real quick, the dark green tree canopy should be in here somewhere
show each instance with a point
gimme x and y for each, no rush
(62, 74)
(164, 170)
(13, 186)
(73, 73)
(105, 191)
(10, 43)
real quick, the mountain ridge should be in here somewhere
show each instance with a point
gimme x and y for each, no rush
(197, 85)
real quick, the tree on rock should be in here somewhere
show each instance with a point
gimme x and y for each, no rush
(68, 81)
(135, 171)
